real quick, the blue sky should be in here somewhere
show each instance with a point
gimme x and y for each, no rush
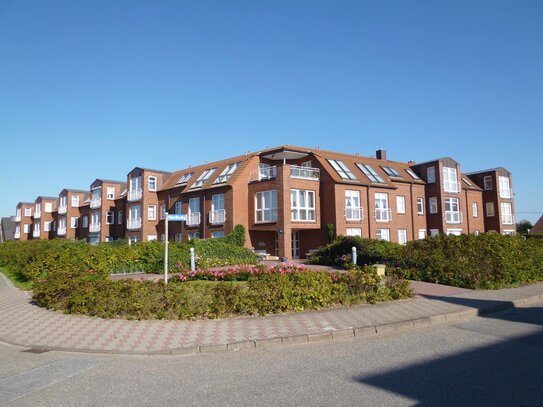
(92, 89)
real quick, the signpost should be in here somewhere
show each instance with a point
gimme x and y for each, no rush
(174, 217)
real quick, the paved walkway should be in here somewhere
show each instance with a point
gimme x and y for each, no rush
(24, 324)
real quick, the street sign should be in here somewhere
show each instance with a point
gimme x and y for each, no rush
(177, 217)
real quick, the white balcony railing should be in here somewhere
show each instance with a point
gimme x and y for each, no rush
(36, 233)
(383, 215)
(451, 186)
(61, 231)
(134, 195)
(304, 172)
(17, 235)
(37, 215)
(508, 219)
(133, 223)
(217, 217)
(506, 193)
(96, 202)
(453, 217)
(354, 214)
(62, 209)
(193, 219)
(263, 174)
(18, 218)
(95, 227)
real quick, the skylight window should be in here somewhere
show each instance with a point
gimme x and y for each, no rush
(370, 173)
(203, 178)
(226, 174)
(410, 172)
(185, 178)
(343, 171)
(467, 182)
(391, 171)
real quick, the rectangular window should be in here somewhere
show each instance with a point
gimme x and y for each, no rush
(75, 201)
(490, 209)
(163, 209)
(370, 173)
(194, 205)
(487, 181)
(506, 213)
(434, 232)
(135, 183)
(420, 206)
(452, 210)
(410, 172)
(120, 217)
(38, 207)
(110, 193)
(402, 236)
(450, 180)
(203, 178)
(135, 212)
(178, 207)
(152, 183)
(95, 218)
(48, 207)
(217, 234)
(110, 217)
(178, 237)
(383, 234)
(266, 171)
(382, 211)
(151, 212)
(217, 202)
(302, 204)
(133, 239)
(354, 232)
(47, 226)
(475, 208)
(28, 211)
(151, 238)
(74, 222)
(454, 232)
(226, 174)
(85, 222)
(353, 210)
(26, 228)
(432, 203)
(194, 235)
(185, 178)
(266, 206)
(343, 171)
(422, 234)
(400, 204)
(431, 175)
(392, 172)
(505, 188)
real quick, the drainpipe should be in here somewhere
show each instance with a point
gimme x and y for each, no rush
(369, 213)
(412, 211)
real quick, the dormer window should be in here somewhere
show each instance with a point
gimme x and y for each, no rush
(342, 170)
(184, 178)
(203, 178)
(392, 172)
(152, 183)
(370, 173)
(226, 174)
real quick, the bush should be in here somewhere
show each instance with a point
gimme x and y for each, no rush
(237, 236)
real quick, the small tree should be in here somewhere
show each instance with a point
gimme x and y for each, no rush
(523, 227)
(331, 230)
(236, 236)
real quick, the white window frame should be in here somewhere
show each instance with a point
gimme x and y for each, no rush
(432, 204)
(204, 176)
(152, 183)
(163, 209)
(48, 207)
(47, 225)
(400, 204)
(343, 171)
(302, 212)
(85, 221)
(151, 212)
(490, 209)
(506, 212)
(178, 207)
(475, 209)
(194, 235)
(75, 201)
(217, 234)
(353, 207)
(487, 182)
(110, 193)
(431, 175)
(226, 174)
(353, 232)
(504, 187)
(420, 206)
(151, 238)
(28, 212)
(26, 228)
(370, 173)
(402, 236)
(74, 222)
(110, 218)
(450, 180)
(382, 209)
(452, 210)
(266, 206)
(422, 234)
(383, 234)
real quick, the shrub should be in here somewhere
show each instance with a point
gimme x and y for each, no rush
(237, 236)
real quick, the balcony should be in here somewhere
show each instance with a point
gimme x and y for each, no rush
(263, 174)
(451, 186)
(354, 214)
(383, 215)
(62, 209)
(193, 219)
(453, 217)
(95, 227)
(37, 215)
(506, 193)
(95, 202)
(508, 219)
(304, 173)
(134, 195)
(134, 223)
(36, 234)
(217, 217)
(61, 231)
(17, 235)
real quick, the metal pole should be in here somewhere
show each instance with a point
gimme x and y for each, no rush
(192, 265)
(166, 221)
(354, 255)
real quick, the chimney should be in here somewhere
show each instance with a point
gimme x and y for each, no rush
(411, 162)
(381, 154)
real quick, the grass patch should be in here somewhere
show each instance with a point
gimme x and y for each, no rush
(18, 279)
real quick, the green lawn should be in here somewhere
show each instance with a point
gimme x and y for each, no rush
(17, 278)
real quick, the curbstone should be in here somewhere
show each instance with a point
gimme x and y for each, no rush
(295, 339)
(266, 343)
(343, 333)
(186, 351)
(324, 336)
(365, 331)
(212, 348)
(404, 325)
(422, 323)
(386, 328)
(438, 319)
(250, 344)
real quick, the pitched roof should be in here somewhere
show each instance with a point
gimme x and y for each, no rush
(538, 227)
(471, 185)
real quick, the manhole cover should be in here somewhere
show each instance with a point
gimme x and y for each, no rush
(34, 350)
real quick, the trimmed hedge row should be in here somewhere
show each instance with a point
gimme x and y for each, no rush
(486, 261)
(92, 293)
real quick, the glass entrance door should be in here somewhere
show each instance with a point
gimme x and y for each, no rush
(296, 245)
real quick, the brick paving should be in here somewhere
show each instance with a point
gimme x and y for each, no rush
(25, 324)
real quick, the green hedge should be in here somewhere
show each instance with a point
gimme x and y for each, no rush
(92, 293)
(486, 261)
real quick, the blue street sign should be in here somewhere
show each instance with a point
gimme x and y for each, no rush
(177, 217)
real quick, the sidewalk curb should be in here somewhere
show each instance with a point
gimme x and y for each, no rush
(316, 337)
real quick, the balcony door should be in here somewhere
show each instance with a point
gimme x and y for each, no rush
(296, 245)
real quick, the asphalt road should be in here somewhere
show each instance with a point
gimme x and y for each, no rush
(495, 360)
